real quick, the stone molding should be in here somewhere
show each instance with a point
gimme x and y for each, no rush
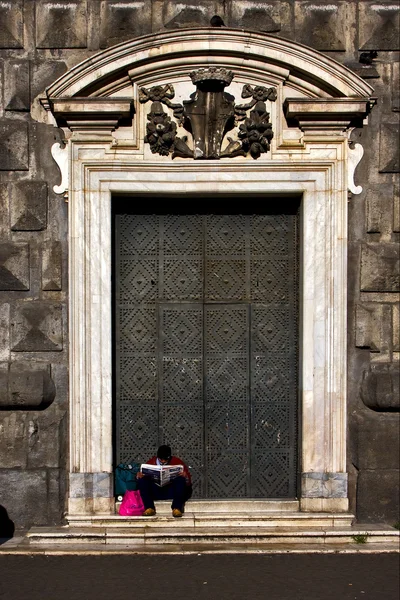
(309, 156)
(171, 53)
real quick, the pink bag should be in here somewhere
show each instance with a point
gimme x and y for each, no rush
(132, 504)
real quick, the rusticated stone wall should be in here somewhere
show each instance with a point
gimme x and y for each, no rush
(40, 40)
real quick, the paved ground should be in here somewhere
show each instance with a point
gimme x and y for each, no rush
(201, 577)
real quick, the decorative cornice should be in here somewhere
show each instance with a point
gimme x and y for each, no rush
(324, 114)
(90, 114)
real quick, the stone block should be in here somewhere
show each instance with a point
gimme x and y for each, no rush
(369, 326)
(24, 494)
(395, 84)
(4, 211)
(324, 485)
(4, 331)
(4, 379)
(61, 24)
(380, 388)
(56, 495)
(173, 15)
(30, 386)
(28, 208)
(44, 440)
(378, 444)
(378, 496)
(396, 328)
(122, 20)
(378, 200)
(270, 17)
(14, 155)
(380, 268)
(14, 447)
(17, 85)
(389, 151)
(379, 26)
(51, 266)
(324, 26)
(14, 267)
(36, 327)
(396, 209)
(44, 73)
(11, 24)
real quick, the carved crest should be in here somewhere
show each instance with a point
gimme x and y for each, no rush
(208, 116)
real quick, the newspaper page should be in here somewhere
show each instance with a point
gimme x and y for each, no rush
(161, 474)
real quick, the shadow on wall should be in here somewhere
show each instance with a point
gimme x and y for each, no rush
(7, 526)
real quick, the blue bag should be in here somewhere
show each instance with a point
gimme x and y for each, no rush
(125, 477)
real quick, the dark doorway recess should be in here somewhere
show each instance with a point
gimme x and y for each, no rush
(206, 339)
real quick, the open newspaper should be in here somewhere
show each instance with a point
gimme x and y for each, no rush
(161, 474)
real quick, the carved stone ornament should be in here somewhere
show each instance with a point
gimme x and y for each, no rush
(161, 131)
(208, 116)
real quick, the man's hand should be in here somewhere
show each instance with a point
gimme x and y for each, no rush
(139, 475)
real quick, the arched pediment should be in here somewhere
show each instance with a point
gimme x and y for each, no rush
(171, 55)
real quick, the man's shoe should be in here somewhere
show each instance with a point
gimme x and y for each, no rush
(176, 512)
(149, 512)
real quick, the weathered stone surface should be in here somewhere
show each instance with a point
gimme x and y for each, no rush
(4, 211)
(396, 209)
(396, 328)
(61, 24)
(11, 24)
(36, 327)
(29, 206)
(4, 379)
(14, 266)
(13, 146)
(4, 331)
(51, 266)
(378, 496)
(389, 151)
(378, 199)
(373, 436)
(123, 20)
(25, 495)
(380, 268)
(323, 25)
(172, 15)
(14, 435)
(271, 17)
(395, 86)
(30, 386)
(16, 91)
(44, 73)
(379, 26)
(380, 388)
(44, 440)
(368, 326)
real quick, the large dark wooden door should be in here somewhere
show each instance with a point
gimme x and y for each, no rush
(206, 347)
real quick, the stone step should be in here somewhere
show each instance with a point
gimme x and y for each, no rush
(252, 518)
(222, 536)
(228, 506)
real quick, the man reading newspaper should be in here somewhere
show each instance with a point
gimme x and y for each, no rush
(179, 488)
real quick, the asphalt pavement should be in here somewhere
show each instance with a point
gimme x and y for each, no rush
(201, 577)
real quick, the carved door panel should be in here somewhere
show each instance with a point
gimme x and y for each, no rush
(206, 347)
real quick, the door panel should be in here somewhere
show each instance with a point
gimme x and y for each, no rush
(206, 347)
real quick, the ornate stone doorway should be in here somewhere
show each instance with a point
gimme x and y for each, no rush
(131, 128)
(206, 318)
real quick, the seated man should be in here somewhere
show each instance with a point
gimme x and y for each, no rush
(179, 489)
